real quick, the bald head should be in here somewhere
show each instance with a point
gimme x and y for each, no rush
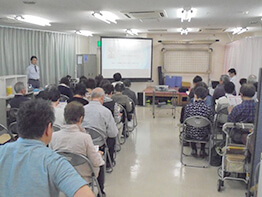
(97, 94)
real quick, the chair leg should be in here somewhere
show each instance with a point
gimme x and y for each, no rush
(182, 151)
(110, 161)
(97, 185)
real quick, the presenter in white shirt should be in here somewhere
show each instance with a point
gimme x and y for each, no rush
(33, 73)
(233, 78)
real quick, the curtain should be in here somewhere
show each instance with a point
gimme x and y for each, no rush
(245, 56)
(56, 53)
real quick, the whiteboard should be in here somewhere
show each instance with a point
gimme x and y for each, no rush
(186, 61)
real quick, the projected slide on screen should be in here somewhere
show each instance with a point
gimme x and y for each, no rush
(132, 57)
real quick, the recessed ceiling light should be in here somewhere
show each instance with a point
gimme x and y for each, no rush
(246, 12)
(186, 14)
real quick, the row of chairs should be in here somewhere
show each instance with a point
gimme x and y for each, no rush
(10, 134)
(100, 140)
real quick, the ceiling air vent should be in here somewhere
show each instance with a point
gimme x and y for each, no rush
(146, 14)
(212, 30)
(157, 30)
(29, 2)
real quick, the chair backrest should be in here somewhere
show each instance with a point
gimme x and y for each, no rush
(73, 158)
(222, 114)
(97, 136)
(63, 98)
(13, 112)
(197, 121)
(123, 111)
(77, 160)
(223, 110)
(132, 104)
(13, 128)
(5, 135)
(56, 128)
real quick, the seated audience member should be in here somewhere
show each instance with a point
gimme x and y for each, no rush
(19, 97)
(119, 98)
(64, 87)
(90, 85)
(42, 95)
(79, 96)
(32, 169)
(198, 108)
(104, 82)
(117, 79)
(82, 78)
(252, 79)
(255, 96)
(220, 89)
(195, 81)
(127, 91)
(54, 96)
(109, 103)
(213, 87)
(242, 81)
(73, 137)
(98, 80)
(99, 117)
(208, 100)
(228, 100)
(244, 112)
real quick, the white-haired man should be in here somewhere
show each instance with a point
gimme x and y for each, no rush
(99, 117)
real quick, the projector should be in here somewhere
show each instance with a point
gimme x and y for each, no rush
(161, 88)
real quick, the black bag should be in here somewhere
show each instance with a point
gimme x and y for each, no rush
(182, 89)
(216, 159)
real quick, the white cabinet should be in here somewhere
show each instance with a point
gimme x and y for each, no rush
(10, 81)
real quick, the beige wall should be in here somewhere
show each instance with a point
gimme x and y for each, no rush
(82, 44)
(217, 56)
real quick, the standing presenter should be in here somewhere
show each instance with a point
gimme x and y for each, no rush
(33, 73)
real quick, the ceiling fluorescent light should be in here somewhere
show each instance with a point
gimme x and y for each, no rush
(131, 32)
(109, 16)
(184, 31)
(186, 15)
(33, 20)
(100, 17)
(84, 33)
(105, 16)
(239, 30)
(242, 31)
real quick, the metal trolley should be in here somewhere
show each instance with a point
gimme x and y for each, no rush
(234, 156)
(172, 106)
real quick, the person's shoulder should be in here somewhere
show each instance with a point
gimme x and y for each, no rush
(125, 96)
(190, 105)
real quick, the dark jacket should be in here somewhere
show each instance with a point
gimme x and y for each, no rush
(17, 101)
(131, 94)
(65, 91)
